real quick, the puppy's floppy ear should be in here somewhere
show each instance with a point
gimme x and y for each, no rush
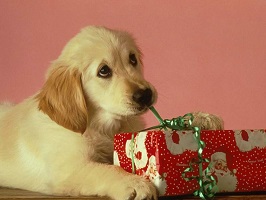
(62, 99)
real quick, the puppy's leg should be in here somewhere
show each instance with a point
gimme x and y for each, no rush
(108, 180)
(206, 121)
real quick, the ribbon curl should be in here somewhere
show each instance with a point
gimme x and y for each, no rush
(207, 182)
(178, 123)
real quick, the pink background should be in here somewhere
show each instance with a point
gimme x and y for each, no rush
(200, 55)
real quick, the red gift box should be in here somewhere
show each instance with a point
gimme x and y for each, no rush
(237, 159)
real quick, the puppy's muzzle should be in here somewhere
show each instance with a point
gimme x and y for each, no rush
(143, 97)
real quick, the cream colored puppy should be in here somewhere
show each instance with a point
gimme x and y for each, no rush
(60, 140)
(56, 141)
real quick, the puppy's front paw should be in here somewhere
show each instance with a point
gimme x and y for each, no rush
(207, 121)
(136, 188)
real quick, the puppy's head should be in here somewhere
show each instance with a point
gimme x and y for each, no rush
(100, 70)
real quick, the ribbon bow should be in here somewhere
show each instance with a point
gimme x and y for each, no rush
(207, 183)
(178, 123)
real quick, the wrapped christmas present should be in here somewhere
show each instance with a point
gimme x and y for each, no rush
(182, 162)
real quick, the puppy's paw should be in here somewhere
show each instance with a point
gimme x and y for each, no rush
(206, 121)
(136, 188)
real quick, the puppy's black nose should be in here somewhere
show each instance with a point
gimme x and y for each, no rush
(143, 97)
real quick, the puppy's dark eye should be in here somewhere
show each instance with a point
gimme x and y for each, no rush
(105, 72)
(132, 59)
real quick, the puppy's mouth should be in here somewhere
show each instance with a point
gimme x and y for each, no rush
(133, 110)
(138, 110)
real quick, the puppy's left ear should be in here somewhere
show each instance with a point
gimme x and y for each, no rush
(62, 99)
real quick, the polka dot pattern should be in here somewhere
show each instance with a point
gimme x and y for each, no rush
(245, 170)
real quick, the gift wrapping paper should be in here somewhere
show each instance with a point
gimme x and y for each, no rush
(236, 157)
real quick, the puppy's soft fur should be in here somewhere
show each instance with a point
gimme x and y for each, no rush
(56, 141)
(60, 140)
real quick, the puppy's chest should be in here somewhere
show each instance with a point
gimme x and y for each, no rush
(101, 149)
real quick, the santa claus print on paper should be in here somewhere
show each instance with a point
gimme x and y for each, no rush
(237, 158)
(247, 140)
(179, 141)
(157, 179)
(222, 172)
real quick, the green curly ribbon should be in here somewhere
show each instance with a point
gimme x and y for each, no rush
(132, 154)
(208, 186)
(173, 124)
